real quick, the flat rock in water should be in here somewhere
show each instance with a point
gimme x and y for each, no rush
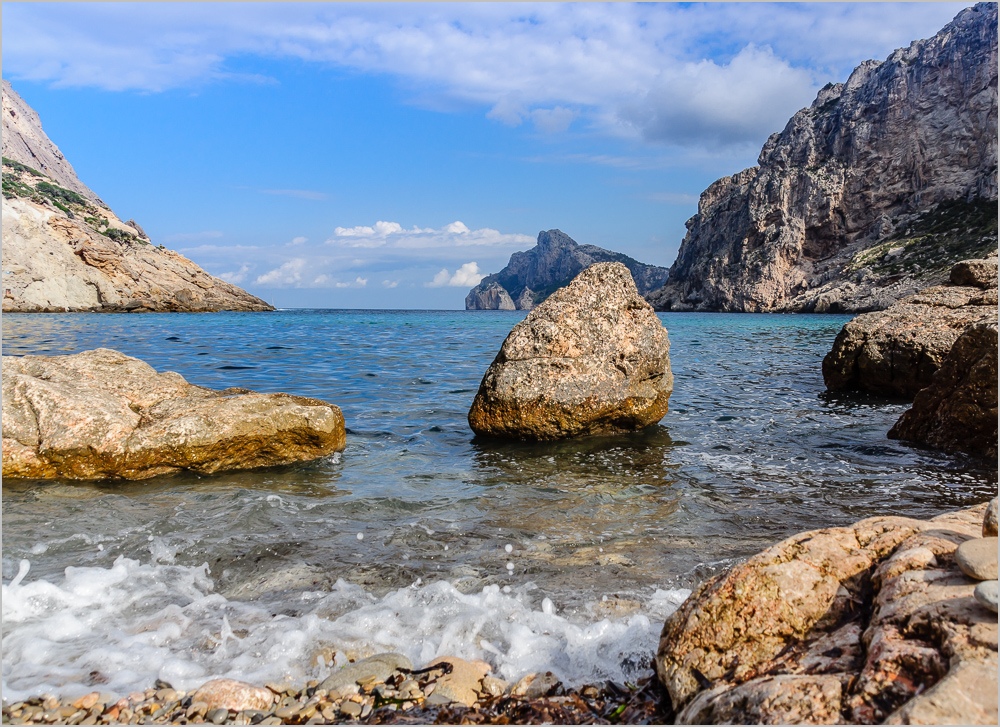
(777, 639)
(103, 415)
(978, 558)
(376, 668)
(593, 358)
(229, 694)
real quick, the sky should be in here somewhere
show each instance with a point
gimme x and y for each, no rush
(382, 155)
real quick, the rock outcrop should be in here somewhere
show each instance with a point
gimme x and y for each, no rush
(957, 412)
(103, 415)
(863, 624)
(896, 352)
(592, 359)
(532, 276)
(871, 193)
(65, 250)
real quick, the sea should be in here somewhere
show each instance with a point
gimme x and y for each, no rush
(420, 538)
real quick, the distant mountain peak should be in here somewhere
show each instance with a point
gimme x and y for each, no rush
(533, 275)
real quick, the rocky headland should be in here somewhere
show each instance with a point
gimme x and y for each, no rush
(103, 415)
(868, 195)
(592, 359)
(532, 276)
(65, 250)
(938, 348)
(884, 621)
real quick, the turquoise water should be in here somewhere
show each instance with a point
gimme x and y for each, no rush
(402, 540)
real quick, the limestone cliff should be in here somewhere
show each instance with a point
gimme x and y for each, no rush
(871, 193)
(65, 250)
(532, 276)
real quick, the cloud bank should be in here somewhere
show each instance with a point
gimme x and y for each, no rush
(659, 73)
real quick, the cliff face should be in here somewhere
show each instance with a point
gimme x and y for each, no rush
(874, 191)
(65, 250)
(532, 276)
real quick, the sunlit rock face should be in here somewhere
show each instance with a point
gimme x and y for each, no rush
(65, 250)
(871, 193)
(103, 415)
(592, 359)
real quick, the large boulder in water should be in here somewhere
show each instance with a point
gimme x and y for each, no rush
(896, 352)
(593, 358)
(865, 624)
(958, 411)
(104, 415)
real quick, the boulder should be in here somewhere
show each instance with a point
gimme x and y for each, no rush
(593, 358)
(104, 415)
(957, 412)
(896, 352)
(461, 681)
(861, 624)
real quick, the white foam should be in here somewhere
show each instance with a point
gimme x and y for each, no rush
(119, 629)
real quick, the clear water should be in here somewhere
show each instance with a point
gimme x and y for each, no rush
(418, 537)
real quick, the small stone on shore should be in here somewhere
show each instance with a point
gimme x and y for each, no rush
(986, 594)
(978, 558)
(990, 520)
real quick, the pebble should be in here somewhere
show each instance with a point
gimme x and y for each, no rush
(217, 716)
(978, 558)
(350, 709)
(986, 594)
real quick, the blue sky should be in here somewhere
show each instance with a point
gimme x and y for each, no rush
(388, 155)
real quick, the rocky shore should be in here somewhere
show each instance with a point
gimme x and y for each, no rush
(380, 690)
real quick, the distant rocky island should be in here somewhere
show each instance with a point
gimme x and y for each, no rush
(872, 193)
(64, 249)
(532, 276)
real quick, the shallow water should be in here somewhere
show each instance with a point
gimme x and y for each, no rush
(418, 537)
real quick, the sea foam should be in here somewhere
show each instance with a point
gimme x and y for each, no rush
(119, 629)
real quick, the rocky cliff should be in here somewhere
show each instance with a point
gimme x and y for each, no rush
(65, 250)
(871, 193)
(532, 276)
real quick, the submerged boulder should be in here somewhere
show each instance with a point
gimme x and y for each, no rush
(863, 624)
(593, 358)
(958, 411)
(103, 415)
(896, 352)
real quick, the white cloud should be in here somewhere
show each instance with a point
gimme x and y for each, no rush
(288, 274)
(236, 277)
(299, 240)
(466, 276)
(394, 235)
(358, 282)
(556, 65)
(390, 283)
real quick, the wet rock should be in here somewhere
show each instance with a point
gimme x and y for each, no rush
(978, 558)
(592, 359)
(896, 352)
(101, 414)
(990, 520)
(794, 609)
(462, 683)
(226, 694)
(351, 709)
(986, 594)
(535, 686)
(784, 699)
(494, 686)
(376, 668)
(957, 412)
